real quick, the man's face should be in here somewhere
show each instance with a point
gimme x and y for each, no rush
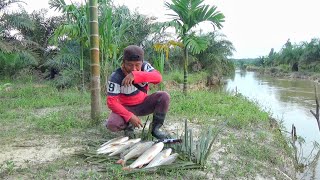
(129, 66)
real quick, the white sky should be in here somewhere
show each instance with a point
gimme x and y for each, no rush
(253, 26)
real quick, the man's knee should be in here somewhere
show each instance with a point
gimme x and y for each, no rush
(164, 97)
(112, 126)
(116, 124)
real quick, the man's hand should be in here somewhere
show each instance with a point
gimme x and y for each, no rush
(128, 80)
(135, 121)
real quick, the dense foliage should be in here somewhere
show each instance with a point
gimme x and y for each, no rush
(57, 48)
(304, 56)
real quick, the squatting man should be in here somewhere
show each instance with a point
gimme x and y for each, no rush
(127, 96)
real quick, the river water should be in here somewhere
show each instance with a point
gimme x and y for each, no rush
(289, 101)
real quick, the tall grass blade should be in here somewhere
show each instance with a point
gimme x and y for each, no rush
(185, 135)
(190, 144)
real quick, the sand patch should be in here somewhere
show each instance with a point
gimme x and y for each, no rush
(36, 151)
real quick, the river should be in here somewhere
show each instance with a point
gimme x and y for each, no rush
(289, 101)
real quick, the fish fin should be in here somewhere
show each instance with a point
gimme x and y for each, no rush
(141, 166)
(127, 168)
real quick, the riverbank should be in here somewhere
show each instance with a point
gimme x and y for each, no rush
(43, 128)
(280, 73)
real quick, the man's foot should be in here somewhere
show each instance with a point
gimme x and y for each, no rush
(160, 134)
(157, 122)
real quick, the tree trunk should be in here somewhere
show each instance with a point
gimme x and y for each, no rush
(95, 64)
(185, 70)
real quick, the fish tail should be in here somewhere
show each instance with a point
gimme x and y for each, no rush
(121, 161)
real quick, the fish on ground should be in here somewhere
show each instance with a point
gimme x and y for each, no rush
(156, 161)
(114, 143)
(110, 149)
(169, 160)
(115, 140)
(125, 152)
(147, 156)
(135, 152)
(127, 145)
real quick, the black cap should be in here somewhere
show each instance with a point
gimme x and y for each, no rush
(133, 53)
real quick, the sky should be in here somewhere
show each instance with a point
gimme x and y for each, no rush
(253, 26)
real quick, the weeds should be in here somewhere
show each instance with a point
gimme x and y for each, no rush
(197, 151)
(7, 168)
(5, 86)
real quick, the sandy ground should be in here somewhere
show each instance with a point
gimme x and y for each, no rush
(23, 152)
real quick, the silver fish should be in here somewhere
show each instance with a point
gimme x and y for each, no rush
(115, 140)
(147, 156)
(137, 151)
(125, 152)
(156, 161)
(127, 145)
(170, 159)
(113, 143)
(110, 149)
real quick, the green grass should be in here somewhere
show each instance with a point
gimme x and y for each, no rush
(31, 96)
(204, 105)
(177, 76)
(45, 108)
(62, 121)
(37, 110)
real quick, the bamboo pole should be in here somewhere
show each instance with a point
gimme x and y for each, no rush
(95, 64)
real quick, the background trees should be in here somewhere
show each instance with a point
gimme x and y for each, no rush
(214, 58)
(15, 49)
(304, 56)
(188, 14)
(57, 48)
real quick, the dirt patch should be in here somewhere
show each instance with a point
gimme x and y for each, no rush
(23, 152)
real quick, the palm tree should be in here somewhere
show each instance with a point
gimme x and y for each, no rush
(76, 27)
(16, 50)
(215, 57)
(112, 28)
(188, 14)
(10, 22)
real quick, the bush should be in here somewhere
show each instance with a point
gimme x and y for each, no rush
(284, 68)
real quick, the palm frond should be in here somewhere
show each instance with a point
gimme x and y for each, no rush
(195, 44)
(57, 4)
(18, 21)
(191, 12)
(29, 58)
(6, 47)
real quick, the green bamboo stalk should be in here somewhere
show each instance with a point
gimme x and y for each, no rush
(95, 63)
